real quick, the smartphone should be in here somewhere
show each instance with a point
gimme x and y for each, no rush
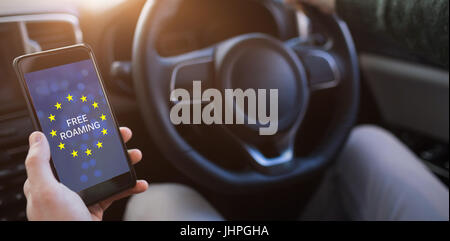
(68, 103)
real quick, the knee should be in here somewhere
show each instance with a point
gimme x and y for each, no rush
(164, 193)
(362, 139)
(170, 202)
(364, 135)
(370, 145)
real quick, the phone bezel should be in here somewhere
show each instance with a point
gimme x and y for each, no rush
(61, 56)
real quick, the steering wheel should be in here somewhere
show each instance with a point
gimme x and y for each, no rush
(247, 61)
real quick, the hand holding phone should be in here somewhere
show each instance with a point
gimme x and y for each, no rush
(49, 200)
(68, 103)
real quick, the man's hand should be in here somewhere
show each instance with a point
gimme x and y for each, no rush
(48, 199)
(326, 6)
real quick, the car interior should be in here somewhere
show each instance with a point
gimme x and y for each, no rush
(146, 48)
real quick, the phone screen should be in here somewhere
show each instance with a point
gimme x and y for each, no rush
(73, 113)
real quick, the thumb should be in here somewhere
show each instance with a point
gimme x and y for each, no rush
(38, 160)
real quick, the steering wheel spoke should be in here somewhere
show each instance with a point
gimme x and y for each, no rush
(320, 63)
(278, 161)
(189, 67)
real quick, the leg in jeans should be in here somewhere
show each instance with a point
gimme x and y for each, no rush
(378, 178)
(170, 202)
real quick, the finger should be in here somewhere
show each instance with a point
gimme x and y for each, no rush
(26, 188)
(37, 162)
(135, 156)
(126, 133)
(291, 1)
(141, 186)
(97, 211)
(294, 3)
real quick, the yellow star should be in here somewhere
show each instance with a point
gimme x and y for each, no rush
(74, 153)
(61, 146)
(58, 106)
(52, 118)
(103, 117)
(53, 133)
(88, 152)
(99, 145)
(69, 97)
(83, 98)
(95, 105)
(104, 131)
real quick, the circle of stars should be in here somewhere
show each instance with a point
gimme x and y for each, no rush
(59, 106)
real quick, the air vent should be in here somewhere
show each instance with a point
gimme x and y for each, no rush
(51, 34)
(24, 34)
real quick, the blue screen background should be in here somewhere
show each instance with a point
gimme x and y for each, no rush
(51, 86)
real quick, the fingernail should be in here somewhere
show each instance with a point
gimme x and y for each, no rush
(35, 138)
